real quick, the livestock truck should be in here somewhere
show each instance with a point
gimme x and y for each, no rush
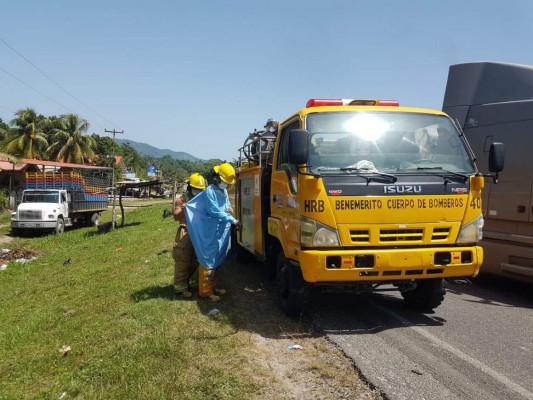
(362, 195)
(55, 200)
(493, 102)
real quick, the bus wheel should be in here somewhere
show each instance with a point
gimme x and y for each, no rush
(60, 226)
(427, 296)
(293, 292)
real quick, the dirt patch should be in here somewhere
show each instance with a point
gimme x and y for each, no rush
(7, 255)
(5, 238)
(315, 369)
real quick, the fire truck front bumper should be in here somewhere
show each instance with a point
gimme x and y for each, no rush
(390, 264)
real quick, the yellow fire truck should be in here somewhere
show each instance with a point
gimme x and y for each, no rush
(358, 194)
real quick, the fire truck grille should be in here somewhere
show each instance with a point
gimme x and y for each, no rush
(406, 236)
(440, 234)
(401, 235)
(31, 215)
(359, 235)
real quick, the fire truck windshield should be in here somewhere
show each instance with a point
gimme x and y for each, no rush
(386, 142)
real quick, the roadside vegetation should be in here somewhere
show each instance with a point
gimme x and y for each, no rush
(66, 138)
(94, 317)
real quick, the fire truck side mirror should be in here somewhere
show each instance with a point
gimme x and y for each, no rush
(496, 157)
(298, 146)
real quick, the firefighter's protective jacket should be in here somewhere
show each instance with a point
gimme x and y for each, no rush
(208, 224)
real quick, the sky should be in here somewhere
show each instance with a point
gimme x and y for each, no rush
(198, 76)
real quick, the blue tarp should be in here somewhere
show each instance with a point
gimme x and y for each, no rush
(208, 225)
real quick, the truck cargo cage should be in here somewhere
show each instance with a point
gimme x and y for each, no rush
(258, 148)
(88, 192)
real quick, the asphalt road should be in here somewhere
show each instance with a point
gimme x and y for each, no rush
(477, 345)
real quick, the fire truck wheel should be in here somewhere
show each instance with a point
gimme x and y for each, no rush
(272, 250)
(292, 290)
(60, 226)
(427, 295)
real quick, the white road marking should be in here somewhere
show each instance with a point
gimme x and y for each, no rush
(458, 353)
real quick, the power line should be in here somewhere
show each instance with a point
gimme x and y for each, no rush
(42, 94)
(7, 109)
(57, 84)
(32, 88)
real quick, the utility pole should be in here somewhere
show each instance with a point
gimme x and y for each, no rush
(114, 219)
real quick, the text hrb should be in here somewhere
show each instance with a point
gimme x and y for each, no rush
(314, 206)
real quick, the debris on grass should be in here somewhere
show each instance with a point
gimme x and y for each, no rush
(294, 347)
(18, 255)
(213, 313)
(64, 350)
(252, 290)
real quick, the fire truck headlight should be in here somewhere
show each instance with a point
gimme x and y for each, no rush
(471, 232)
(315, 234)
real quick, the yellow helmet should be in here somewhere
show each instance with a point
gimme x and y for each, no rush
(197, 181)
(226, 172)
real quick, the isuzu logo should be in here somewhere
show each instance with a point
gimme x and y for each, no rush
(402, 189)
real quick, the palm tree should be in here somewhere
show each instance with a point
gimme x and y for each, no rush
(28, 139)
(4, 133)
(70, 142)
(4, 129)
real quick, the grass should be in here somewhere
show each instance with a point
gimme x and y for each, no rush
(5, 223)
(109, 297)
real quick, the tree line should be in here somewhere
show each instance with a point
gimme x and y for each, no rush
(65, 138)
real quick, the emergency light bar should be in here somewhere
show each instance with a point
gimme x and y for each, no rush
(350, 102)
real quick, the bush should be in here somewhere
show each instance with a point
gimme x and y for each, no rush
(4, 198)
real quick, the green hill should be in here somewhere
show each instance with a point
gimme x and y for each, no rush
(151, 151)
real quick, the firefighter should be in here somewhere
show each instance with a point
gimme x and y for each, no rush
(209, 216)
(183, 252)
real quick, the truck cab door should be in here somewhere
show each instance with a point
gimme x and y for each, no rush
(284, 192)
(64, 204)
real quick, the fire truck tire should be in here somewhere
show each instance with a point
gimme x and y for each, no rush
(272, 250)
(60, 226)
(292, 291)
(427, 296)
